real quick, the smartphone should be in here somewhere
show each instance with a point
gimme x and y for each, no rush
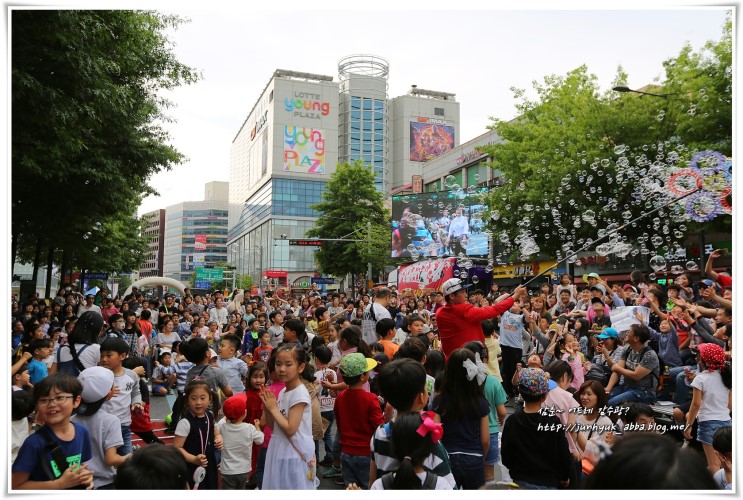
(723, 251)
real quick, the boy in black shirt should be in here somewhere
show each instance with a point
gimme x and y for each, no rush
(533, 446)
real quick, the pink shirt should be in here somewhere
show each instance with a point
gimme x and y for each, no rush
(562, 400)
(275, 387)
(577, 367)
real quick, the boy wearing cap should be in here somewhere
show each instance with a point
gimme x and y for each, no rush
(104, 428)
(357, 416)
(533, 445)
(459, 321)
(238, 438)
(128, 397)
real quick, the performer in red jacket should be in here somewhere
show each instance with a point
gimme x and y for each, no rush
(459, 321)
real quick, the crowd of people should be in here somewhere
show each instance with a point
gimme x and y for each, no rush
(455, 389)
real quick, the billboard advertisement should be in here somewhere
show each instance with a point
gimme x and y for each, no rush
(199, 242)
(427, 276)
(304, 150)
(439, 224)
(429, 140)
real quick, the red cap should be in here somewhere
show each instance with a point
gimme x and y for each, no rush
(235, 406)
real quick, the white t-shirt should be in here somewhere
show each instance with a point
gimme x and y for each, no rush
(440, 484)
(714, 396)
(327, 402)
(90, 356)
(238, 442)
(105, 433)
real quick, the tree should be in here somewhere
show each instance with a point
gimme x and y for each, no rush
(580, 163)
(349, 202)
(88, 109)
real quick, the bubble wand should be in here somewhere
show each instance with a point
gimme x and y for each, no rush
(610, 233)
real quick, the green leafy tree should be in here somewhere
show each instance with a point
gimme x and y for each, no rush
(349, 203)
(87, 121)
(579, 162)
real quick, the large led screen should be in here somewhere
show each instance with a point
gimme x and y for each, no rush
(438, 225)
(427, 141)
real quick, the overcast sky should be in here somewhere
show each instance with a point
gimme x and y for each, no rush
(478, 55)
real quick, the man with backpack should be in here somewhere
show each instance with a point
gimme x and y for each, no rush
(375, 311)
(639, 369)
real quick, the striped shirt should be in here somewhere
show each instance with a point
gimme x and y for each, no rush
(436, 463)
(181, 370)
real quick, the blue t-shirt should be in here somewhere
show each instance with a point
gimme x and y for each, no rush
(37, 371)
(511, 329)
(77, 451)
(461, 435)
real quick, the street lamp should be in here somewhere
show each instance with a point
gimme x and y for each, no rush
(622, 88)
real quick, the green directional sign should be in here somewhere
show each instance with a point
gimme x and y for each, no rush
(204, 273)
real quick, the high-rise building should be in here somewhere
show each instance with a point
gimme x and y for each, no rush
(363, 115)
(196, 233)
(301, 126)
(280, 161)
(425, 126)
(155, 234)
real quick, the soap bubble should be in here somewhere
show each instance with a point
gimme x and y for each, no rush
(475, 279)
(658, 262)
(406, 199)
(651, 276)
(620, 149)
(86, 236)
(456, 273)
(692, 266)
(95, 250)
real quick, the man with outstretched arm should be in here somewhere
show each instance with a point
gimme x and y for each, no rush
(459, 321)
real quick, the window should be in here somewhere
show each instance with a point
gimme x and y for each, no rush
(355, 103)
(367, 104)
(438, 111)
(270, 97)
(378, 105)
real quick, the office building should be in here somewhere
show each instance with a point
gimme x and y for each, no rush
(196, 233)
(155, 234)
(300, 127)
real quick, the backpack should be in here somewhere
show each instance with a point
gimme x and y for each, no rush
(601, 373)
(428, 484)
(641, 354)
(369, 325)
(74, 366)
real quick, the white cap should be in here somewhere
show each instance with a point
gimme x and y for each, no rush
(453, 285)
(97, 382)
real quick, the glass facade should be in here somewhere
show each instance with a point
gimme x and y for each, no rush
(181, 227)
(367, 127)
(258, 250)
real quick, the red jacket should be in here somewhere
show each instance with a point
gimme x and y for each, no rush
(357, 415)
(459, 324)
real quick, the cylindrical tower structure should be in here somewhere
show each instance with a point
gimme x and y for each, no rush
(364, 122)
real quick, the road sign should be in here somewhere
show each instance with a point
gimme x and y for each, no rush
(323, 281)
(306, 243)
(206, 284)
(206, 274)
(96, 276)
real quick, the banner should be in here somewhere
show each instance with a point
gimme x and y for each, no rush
(427, 141)
(428, 274)
(624, 317)
(304, 150)
(200, 242)
(199, 260)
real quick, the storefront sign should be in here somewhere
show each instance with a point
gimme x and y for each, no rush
(521, 270)
(417, 184)
(259, 123)
(307, 105)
